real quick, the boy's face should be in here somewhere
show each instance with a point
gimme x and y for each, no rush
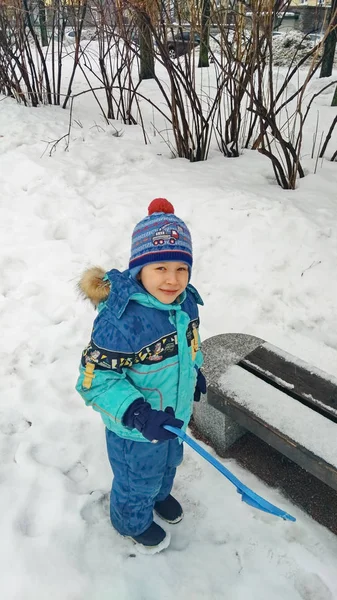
(165, 280)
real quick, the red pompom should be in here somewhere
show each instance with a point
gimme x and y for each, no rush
(160, 205)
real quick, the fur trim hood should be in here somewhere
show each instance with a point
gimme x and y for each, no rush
(118, 288)
(94, 285)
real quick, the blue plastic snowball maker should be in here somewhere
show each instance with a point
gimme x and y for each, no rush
(247, 494)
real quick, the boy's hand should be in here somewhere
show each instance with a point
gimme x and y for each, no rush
(150, 422)
(201, 386)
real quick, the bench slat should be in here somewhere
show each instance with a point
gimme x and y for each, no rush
(294, 378)
(275, 410)
(286, 446)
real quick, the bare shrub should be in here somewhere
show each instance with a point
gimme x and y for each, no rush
(191, 108)
(277, 115)
(32, 49)
(115, 63)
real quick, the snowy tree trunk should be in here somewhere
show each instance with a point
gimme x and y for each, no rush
(43, 23)
(204, 42)
(330, 43)
(145, 48)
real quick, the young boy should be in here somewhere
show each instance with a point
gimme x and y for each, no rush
(141, 371)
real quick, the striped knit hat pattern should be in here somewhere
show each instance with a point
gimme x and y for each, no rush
(160, 237)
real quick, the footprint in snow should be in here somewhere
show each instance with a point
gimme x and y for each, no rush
(57, 457)
(51, 455)
(77, 473)
(97, 508)
(12, 422)
(311, 587)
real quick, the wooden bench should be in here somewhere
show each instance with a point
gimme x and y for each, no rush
(255, 386)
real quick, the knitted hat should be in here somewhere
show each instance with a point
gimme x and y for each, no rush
(160, 237)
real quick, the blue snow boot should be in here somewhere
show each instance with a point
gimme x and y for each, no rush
(169, 510)
(151, 541)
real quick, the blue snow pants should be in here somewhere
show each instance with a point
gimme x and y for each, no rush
(143, 474)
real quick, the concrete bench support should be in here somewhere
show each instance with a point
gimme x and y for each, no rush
(221, 352)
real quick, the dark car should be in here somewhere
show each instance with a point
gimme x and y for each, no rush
(182, 42)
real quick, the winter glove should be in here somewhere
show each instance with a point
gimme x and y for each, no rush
(200, 387)
(150, 422)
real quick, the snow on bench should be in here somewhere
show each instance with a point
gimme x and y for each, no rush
(255, 386)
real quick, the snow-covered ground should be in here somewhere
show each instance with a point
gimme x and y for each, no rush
(265, 263)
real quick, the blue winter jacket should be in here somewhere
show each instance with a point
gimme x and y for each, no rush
(141, 347)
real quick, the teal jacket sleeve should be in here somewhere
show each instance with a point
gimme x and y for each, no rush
(108, 392)
(103, 382)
